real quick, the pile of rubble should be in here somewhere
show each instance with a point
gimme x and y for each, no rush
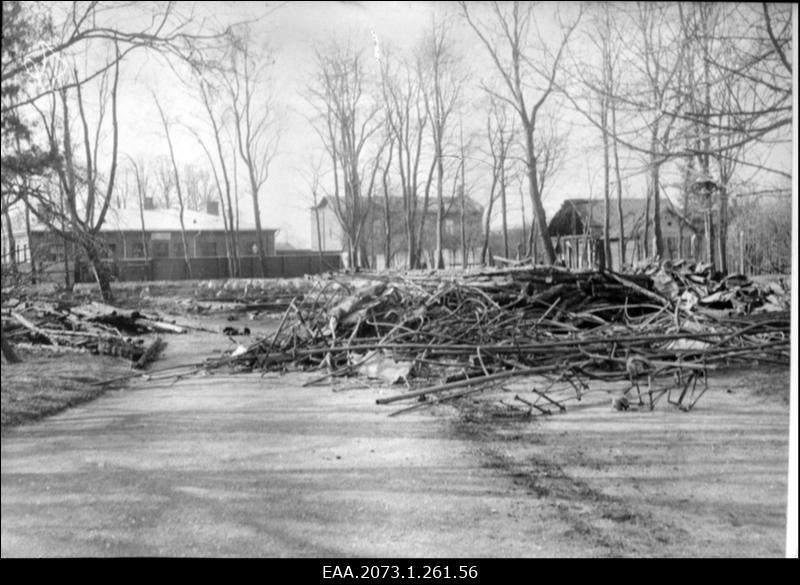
(695, 287)
(453, 337)
(89, 327)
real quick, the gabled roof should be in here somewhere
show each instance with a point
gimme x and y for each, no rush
(160, 220)
(575, 215)
(451, 204)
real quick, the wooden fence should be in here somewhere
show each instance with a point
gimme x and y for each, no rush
(154, 269)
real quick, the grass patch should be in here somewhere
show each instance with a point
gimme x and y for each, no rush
(45, 384)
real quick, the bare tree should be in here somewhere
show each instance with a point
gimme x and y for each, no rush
(441, 89)
(313, 182)
(500, 137)
(141, 176)
(348, 120)
(407, 118)
(508, 29)
(387, 209)
(660, 55)
(740, 94)
(9, 231)
(707, 86)
(178, 187)
(165, 179)
(605, 39)
(256, 122)
(208, 96)
(86, 196)
(72, 28)
(226, 211)
(198, 186)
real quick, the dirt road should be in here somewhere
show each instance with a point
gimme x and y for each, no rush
(249, 466)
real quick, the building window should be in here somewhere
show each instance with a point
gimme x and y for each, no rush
(138, 250)
(160, 249)
(177, 250)
(55, 253)
(208, 249)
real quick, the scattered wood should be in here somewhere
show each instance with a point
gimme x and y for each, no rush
(89, 327)
(150, 354)
(467, 333)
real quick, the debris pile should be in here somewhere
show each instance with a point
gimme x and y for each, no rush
(448, 338)
(91, 327)
(694, 286)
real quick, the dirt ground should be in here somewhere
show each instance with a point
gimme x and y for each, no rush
(246, 465)
(711, 482)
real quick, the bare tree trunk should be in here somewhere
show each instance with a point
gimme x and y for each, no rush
(424, 215)
(387, 212)
(606, 260)
(12, 244)
(100, 271)
(262, 256)
(514, 20)
(487, 230)
(656, 180)
(68, 282)
(179, 190)
(145, 251)
(226, 205)
(536, 199)
(440, 210)
(722, 229)
(524, 242)
(709, 230)
(504, 209)
(411, 250)
(8, 351)
(30, 248)
(532, 239)
(487, 217)
(463, 194)
(646, 243)
(620, 211)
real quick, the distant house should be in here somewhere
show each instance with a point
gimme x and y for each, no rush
(327, 233)
(577, 231)
(125, 236)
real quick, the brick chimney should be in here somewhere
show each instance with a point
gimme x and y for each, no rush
(149, 204)
(212, 207)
